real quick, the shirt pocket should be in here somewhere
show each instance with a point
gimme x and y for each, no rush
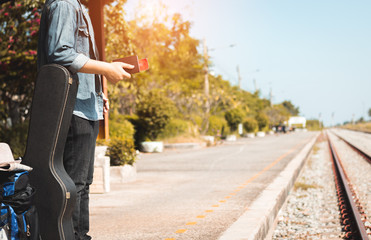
(83, 40)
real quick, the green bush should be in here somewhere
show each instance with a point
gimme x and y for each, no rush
(139, 134)
(250, 125)
(234, 117)
(154, 112)
(121, 151)
(119, 127)
(313, 125)
(174, 128)
(263, 121)
(218, 126)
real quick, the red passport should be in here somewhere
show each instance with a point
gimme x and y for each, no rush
(139, 64)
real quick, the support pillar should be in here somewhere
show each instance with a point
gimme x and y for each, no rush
(97, 19)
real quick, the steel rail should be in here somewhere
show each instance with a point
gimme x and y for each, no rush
(354, 147)
(360, 230)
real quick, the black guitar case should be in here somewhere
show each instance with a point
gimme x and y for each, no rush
(51, 112)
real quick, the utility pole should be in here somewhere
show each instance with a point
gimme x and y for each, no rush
(205, 124)
(271, 96)
(239, 77)
(206, 72)
(332, 119)
(255, 86)
(207, 87)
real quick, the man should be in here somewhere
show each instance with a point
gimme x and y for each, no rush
(66, 38)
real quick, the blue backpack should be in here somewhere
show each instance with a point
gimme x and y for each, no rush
(18, 215)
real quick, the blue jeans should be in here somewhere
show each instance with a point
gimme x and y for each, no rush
(78, 161)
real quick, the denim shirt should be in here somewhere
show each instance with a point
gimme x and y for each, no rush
(66, 38)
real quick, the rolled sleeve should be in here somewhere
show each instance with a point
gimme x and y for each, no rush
(78, 63)
(61, 37)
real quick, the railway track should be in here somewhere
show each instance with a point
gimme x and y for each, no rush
(352, 212)
(345, 206)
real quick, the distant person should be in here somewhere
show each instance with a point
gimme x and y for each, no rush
(284, 129)
(67, 38)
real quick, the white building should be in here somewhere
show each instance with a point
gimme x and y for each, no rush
(297, 121)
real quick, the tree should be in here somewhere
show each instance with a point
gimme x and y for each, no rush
(19, 25)
(175, 64)
(360, 120)
(294, 111)
(277, 114)
(117, 31)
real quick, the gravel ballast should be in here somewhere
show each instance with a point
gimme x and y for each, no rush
(311, 210)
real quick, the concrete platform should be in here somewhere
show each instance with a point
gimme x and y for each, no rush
(229, 191)
(257, 222)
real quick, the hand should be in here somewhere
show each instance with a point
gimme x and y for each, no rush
(115, 71)
(105, 104)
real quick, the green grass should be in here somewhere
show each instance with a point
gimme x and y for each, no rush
(304, 186)
(365, 126)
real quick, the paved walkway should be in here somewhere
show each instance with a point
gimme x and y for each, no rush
(202, 194)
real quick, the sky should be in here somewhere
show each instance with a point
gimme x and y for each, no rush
(314, 53)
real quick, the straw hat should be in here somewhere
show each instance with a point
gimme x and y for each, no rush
(5, 153)
(7, 162)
